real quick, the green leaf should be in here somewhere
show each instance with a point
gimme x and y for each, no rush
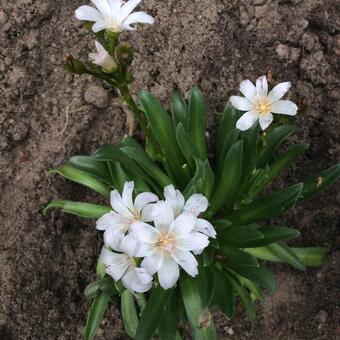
(134, 151)
(206, 184)
(187, 147)
(321, 181)
(199, 318)
(236, 257)
(266, 207)
(224, 294)
(153, 312)
(287, 255)
(197, 121)
(100, 268)
(87, 210)
(179, 109)
(242, 293)
(96, 313)
(259, 275)
(82, 178)
(119, 177)
(206, 284)
(239, 235)
(208, 256)
(274, 139)
(97, 287)
(167, 329)
(271, 235)
(93, 168)
(255, 290)
(164, 132)
(129, 313)
(227, 185)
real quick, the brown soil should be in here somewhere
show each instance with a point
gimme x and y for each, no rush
(48, 116)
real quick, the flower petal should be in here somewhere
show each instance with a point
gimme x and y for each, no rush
(129, 245)
(137, 280)
(148, 212)
(247, 120)
(99, 26)
(279, 91)
(240, 103)
(183, 224)
(175, 198)
(187, 261)
(145, 232)
(248, 89)
(143, 199)
(262, 86)
(265, 120)
(108, 220)
(164, 216)
(153, 261)
(205, 227)
(127, 195)
(284, 107)
(115, 5)
(103, 7)
(129, 6)
(117, 264)
(113, 236)
(138, 17)
(168, 273)
(88, 13)
(196, 204)
(191, 241)
(118, 205)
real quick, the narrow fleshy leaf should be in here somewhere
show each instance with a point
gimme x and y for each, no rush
(199, 318)
(239, 235)
(197, 122)
(82, 178)
(119, 176)
(179, 109)
(235, 257)
(87, 210)
(153, 313)
(227, 184)
(129, 313)
(97, 287)
(271, 235)
(167, 329)
(266, 207)
(274, 139)
(320, 182)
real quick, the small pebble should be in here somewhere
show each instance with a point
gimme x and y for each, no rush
(3, 17)
(97, 96)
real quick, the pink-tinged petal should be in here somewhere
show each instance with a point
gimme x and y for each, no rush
(187, 261)
(247, 120)
(279, 91)
(164, 216)
(118, 205)
(145, 232)
(262, 86)
(127, 195)
(196, 204)
(191, 241)
(129, 6)
(113, 236)
(143, 199)
(88, 13)
(248, 89)
(103, 7)
(175, 199)
(205, 227)
(265, 120)
(138, 17)
(98, 26)
(129, 245)
(183, 224)
(168, 274)
(153, 262)
(284, 107)
(241, 103)
(137, 280)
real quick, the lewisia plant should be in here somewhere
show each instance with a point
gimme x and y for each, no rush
(186, 230)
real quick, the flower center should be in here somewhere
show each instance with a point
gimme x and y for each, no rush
(262, 106)
(166, 244)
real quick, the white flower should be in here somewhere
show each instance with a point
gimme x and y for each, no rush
(125, 212)
(122, 266)
(113, 15)
(196, 204)
(169, 244)
(260, 104)
(102, 58)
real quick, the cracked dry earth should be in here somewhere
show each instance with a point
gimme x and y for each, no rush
(47, 115)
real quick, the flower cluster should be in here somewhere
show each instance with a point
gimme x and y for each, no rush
(148, 236)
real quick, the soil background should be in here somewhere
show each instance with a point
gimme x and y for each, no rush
(47, 115)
